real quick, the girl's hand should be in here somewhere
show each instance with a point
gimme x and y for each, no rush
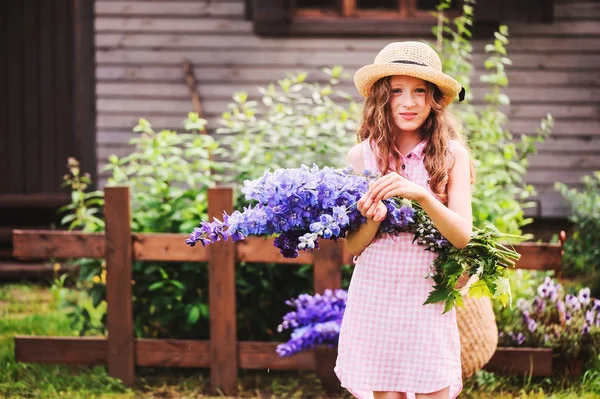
(376, 211)
(394, 185)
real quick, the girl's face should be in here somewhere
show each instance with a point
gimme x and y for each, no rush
(409, 103)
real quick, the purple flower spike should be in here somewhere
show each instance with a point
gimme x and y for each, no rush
(316, 320)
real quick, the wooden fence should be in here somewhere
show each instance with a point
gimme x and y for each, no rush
(121, 351)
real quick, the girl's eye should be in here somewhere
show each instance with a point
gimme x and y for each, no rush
(421, 90)
(396, 91)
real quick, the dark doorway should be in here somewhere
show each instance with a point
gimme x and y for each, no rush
(47, 116)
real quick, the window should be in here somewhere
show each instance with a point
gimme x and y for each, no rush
(376, 9)
(399, 18)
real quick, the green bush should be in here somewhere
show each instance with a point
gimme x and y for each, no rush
(500, 159)
(296, 122)
(582, 252)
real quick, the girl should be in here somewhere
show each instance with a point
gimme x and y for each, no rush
(392, 346)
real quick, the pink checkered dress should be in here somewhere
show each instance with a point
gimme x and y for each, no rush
(389, 340)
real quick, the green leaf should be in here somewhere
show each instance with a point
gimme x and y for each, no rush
(453, 300)
(97, 293)
(439, 294)
(194, 315)
(503, 292)
(479, 289)
(68, 219)
(155, 286)
(87, 270)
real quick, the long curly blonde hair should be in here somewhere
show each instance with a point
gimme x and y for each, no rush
(439, 128)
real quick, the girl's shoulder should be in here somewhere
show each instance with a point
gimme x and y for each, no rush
(457, 149)
(355, 157)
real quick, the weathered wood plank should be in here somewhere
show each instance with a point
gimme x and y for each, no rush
(63, 84)
(119, 258)
(61, 350)
(4, 115)
(565, 161)
(14, 70)
(49, 137)
(45, 244)
(154, 352)
(84, 96)
(259, 249)
(111, 124)
(30, 92)
(225, 91)
(44, 201)
(537, 257)
(172, 41)
(561, 145)
(351, 59)
(262, 355)
(159, 247)
(549, 176)
(267, 74)
(571, 11)
(172, 352)
(522, 361)
(178, 108)
(567, 28)
(19, 270)
(327, 266)
(253, 355)
(200, 9)
(167, 247)
(558, 111)
(223, 331)
(107, 121)
(182, 25)
(561, 127)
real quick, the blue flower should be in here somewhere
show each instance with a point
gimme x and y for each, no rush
(296, 202)
(316, 320)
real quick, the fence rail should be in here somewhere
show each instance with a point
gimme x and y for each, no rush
(223, 353)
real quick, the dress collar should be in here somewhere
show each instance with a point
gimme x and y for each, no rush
(419, 150)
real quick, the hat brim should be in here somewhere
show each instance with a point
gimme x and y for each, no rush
(366, 76)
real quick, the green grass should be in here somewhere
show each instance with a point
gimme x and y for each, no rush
(33, 310)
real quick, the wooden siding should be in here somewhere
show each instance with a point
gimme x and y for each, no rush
(140, 47)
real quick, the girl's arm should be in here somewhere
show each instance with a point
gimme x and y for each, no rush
(455, 222)
(358, 240)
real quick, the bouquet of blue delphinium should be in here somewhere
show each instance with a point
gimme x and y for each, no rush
(316, 320)
(299, 206)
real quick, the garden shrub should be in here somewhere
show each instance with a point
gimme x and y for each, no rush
(582, 252)
(568, 323)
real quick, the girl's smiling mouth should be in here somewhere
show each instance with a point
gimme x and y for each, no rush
(408, 115)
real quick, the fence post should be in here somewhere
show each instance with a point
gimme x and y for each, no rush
(327, 271)
(119, 256)
(327, 266)
(221, 283)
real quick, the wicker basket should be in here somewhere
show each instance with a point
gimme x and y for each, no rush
(478, 334)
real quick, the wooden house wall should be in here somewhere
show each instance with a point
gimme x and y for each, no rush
(140, 47)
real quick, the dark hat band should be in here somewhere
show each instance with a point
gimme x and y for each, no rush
(408, 62)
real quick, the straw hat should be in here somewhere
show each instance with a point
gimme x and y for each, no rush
(412, 59)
